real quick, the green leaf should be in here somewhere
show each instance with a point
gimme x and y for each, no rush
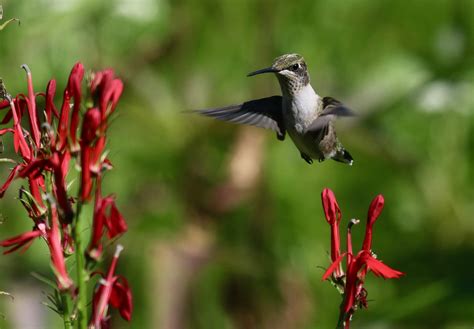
(7, 22)
(44, 280)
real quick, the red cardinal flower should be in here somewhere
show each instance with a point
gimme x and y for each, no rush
(73, 90)
(107, 89)
(357, 267)
(50, 108)
(106, 216)
(45, 142)
(375, 209)
(89, 137)
(53, 237)
(9, 180)
(333, 216)
(23, 240)
(19, 140)
(113, 290)
(57, 164)
(74, 85)
(31, 105)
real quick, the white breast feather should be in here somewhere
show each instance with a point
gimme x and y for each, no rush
(304, 106)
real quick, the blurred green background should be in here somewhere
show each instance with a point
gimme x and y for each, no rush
(226, 224)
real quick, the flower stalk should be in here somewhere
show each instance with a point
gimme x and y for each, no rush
(66, 314)
(81, 271)
(48, 146)
(351, 282)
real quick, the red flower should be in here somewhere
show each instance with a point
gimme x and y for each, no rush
(89, 136)
(74, 85)
(375, 209)
(53, 237)
(107, 89)
(36, 184)
(9, 180)
(50, 108)
(58, 165)
(19, 140)
(4, 104)
(45, 157)
(333, 217)
(31, 104)
(106, 216)
(73, 90)
(114, 291)
(23, 240)
(356, 267)
(6, 130)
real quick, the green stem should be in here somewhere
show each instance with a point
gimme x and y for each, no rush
(342, 316)
(340, 325)
(66, 311)
(82, 275)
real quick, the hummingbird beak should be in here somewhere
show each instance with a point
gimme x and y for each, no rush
(265, 70)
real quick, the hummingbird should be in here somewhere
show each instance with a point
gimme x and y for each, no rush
(307, 117)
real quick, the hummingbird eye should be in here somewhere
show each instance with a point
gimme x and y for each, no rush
(294, 67)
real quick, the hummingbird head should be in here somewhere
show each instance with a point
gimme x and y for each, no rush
(290, 69)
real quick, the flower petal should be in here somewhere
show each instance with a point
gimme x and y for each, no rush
(333, 267)
(19, 140)
(103, 293)
(330, 206)
(6, 119)
(90, 125)
(333, 217)
(4, 104)
(9, 180)
(382, 270)
(50, 108)
(121, 298)
(95, 246)
(115, 222)
(376, 207)
(64, 120)
(19, 241)
(75, 82)
(6, 130)
(60, 191)
(56, 251)
(31, 105)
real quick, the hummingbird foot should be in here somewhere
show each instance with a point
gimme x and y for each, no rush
(306, 158)
(280, 136)
(344, 156)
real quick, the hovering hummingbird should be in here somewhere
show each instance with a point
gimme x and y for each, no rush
(306, 116)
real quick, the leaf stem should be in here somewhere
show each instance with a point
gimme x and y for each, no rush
(82, 275)
(66, 311)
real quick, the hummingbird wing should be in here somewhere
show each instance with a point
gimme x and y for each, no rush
(264, 113)
(332, 108)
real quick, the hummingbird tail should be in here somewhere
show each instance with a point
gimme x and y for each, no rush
(343, 156)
